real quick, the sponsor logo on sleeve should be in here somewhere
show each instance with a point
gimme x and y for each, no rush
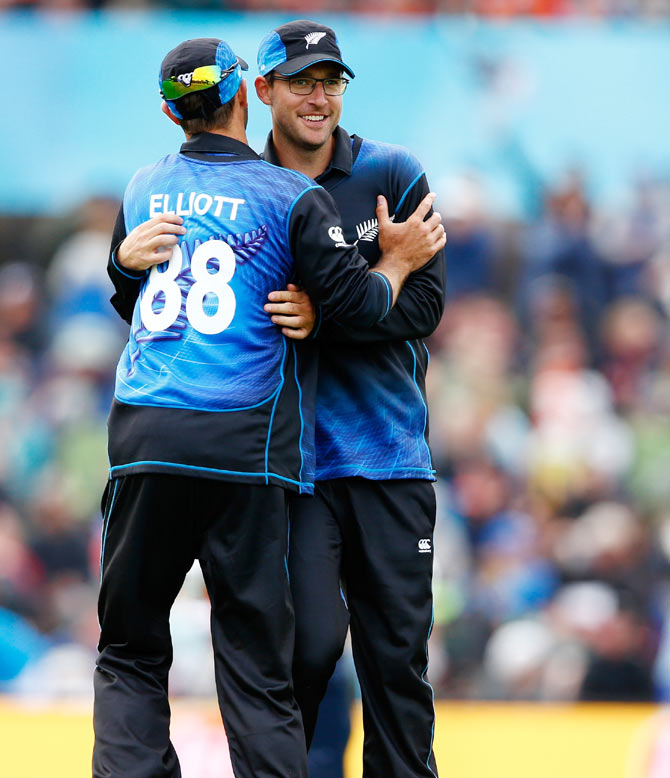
(337, 236)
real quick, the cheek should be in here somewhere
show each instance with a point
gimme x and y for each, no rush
(337, 110)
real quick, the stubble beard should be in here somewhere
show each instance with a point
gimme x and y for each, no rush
(298, 141)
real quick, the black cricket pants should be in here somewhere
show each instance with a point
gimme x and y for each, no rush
(155, 526)
(375, 538)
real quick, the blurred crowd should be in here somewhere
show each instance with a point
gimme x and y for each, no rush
(549, 392)
(646, 9)
(550, 402)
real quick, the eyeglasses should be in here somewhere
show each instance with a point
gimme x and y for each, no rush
(302, 85)
(200, 78)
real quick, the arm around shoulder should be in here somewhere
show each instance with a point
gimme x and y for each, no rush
(336, 277)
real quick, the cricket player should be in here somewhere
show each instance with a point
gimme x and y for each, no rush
(211, 422)
(361, 549)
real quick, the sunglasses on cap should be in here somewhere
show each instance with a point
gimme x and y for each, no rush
(200, 78)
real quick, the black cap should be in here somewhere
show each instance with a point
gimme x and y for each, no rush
(297, 45)
(181, 61)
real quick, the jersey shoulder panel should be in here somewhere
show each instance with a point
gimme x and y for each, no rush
(271, 182)
(142, 181)
(390, 157)
(299, 179)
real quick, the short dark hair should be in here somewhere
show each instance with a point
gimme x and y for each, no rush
(209, 119)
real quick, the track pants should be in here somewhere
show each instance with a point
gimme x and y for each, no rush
(374, 537)
(154, 527)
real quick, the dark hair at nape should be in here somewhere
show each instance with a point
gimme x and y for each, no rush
(204, 112)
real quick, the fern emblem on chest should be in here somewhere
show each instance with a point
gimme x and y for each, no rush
(367, 231)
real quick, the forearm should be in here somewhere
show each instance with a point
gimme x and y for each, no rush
(333, 273)
(416, 314)
(127, 283)
(394, 272)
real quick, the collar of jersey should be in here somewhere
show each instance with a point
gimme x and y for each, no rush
(205, 143)
(341, 160)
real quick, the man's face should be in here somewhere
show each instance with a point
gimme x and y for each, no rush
(306, 121)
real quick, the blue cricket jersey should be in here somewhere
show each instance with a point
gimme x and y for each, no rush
(371, 412)
(207, 385)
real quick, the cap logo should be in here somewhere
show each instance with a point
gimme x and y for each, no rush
(313, 38)
(185, 78)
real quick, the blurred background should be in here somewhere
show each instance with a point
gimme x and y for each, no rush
(544, 127)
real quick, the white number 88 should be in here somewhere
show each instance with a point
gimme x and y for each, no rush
(205, 282)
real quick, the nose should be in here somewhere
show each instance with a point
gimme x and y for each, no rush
(318, 96)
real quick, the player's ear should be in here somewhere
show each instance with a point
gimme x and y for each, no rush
(242, 94)
(166, 110)
(262, 90)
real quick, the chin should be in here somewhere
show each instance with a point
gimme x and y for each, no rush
(313, 142)
(312, 145)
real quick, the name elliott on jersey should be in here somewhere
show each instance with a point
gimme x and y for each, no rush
(200, 203)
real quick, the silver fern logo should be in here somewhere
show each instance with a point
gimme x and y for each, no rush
(367, 230)
(313, 38)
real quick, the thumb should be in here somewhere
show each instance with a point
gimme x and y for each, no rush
(292, 288)
(382, 210)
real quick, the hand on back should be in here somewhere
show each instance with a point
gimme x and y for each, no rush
(151, 242)
(293, 311)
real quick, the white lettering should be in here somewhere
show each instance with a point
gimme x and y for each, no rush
(236, 203)
(199, 207)
(155, 202)
(180, 205)
(219, 204)
(200, 203)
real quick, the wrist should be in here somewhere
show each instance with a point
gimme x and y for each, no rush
(395, 270)
(122, 267)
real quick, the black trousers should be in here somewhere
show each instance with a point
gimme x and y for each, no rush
(155, 526)
(375, 538)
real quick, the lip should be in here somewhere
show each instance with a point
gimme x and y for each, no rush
(312, 122)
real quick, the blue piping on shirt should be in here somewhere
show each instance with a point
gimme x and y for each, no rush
(302, 419)
(290, 211)
(389, 294)
(317, 326)
(407, 191)
(274, 408)
(123, 273)
(106, 526)
(117, 470)
(423, 402)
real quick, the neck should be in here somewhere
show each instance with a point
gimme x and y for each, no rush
(229, 132)
(235, 133)
(236, 129)
(311, 162)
